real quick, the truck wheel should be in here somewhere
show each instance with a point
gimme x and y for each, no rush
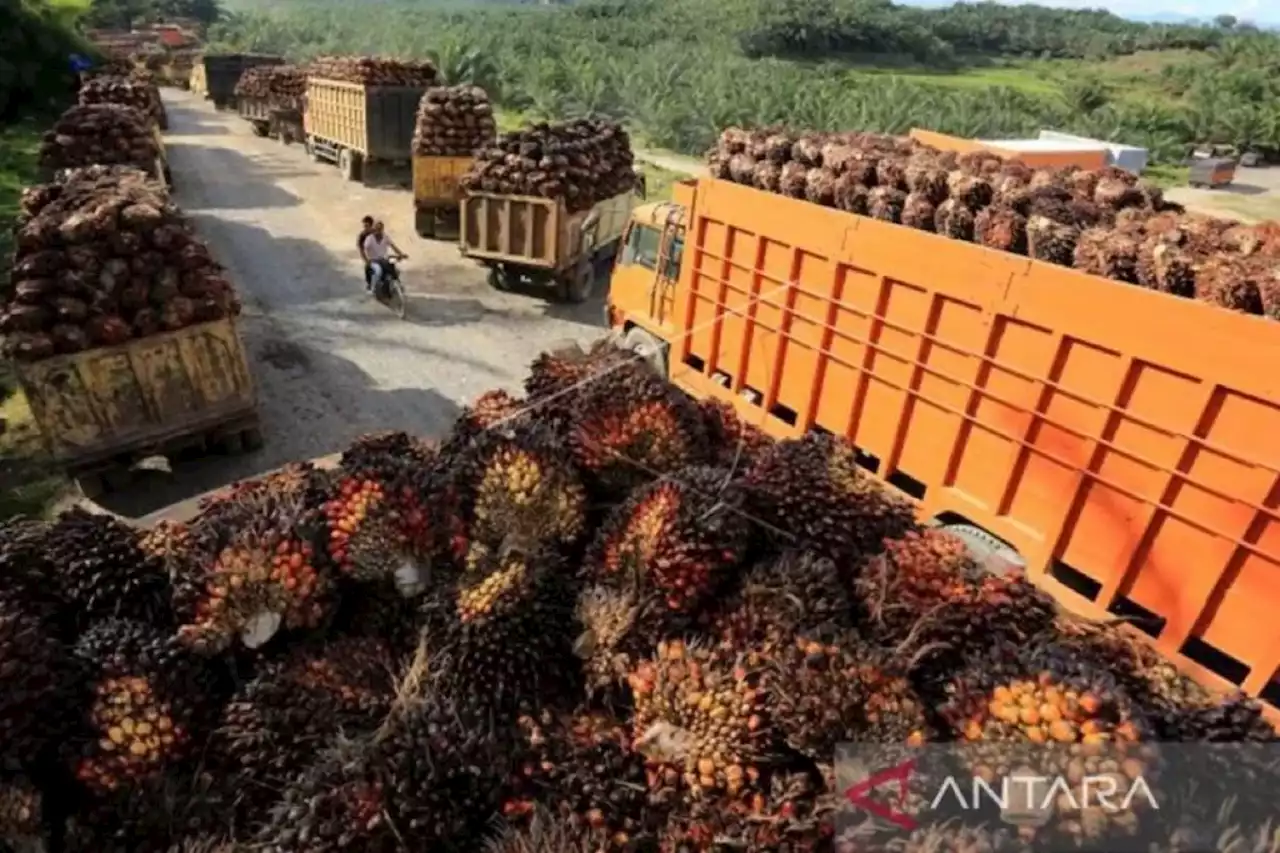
(260, 129)
(498, 278)
(578, 285)
(987, 551)
(425, 223)
(349, 164)
(645, 345)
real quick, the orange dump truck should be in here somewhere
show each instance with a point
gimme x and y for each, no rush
(1120, 444)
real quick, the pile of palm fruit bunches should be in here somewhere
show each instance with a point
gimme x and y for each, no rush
(453, 121)
(582, 161)
(102, 256)
(601, 617)
(374, 70)
(1101, 221)
(143, 96)
(278, 85)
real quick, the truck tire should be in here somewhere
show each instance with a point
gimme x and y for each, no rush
(349, 164)
(993, 555)
(424, 221)
(577, 286)
(645, 345)
(498, 278)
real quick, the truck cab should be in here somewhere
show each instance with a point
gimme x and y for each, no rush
(641, 300)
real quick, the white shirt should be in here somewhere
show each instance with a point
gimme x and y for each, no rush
(375, 249)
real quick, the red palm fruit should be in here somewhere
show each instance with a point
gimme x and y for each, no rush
(684, 536)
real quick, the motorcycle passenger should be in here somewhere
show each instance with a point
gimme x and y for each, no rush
(380, 251)
(366, 228)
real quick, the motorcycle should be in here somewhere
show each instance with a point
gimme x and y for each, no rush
(388, 289)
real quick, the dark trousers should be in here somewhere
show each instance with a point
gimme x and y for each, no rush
(368, 275)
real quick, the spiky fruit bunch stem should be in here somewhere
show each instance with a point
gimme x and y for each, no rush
(621, 621)
(701, 713)
(812, 491)
(684, 536)
(149, 700)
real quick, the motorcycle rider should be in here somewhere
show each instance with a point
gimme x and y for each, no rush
(379, 251)
(366, 228)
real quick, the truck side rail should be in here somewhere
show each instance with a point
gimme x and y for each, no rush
(1123, 440)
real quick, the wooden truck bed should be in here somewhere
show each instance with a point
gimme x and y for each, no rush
(535, 232)
(376, 121)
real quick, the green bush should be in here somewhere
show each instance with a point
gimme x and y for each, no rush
(35, 43)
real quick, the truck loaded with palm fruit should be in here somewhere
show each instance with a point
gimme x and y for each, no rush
(1056, 365)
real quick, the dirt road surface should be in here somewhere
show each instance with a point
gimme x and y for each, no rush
(329, 361)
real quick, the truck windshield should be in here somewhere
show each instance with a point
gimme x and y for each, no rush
(642, 247)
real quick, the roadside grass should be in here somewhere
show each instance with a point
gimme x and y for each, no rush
(659, 181)
(1026, 79)
(1166, 175)
(28, 485)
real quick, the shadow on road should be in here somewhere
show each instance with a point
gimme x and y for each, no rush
(258, 189)
(192, 126)
(292, 435)
(1242, 189)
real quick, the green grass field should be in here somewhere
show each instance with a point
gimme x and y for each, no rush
(19, 145)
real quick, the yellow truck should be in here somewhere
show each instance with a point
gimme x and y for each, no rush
(363, 129)
(437, 195)
(537, 241)
(102, 409)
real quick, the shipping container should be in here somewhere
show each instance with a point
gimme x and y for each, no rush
(437, 194)
(103, 406)
(528, 240)
(1118, 442)
(361, 128)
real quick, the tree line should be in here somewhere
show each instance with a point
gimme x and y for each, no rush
(682, 70)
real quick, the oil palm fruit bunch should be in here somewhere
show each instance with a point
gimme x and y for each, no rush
(430, 779)
(490, 409)
(1041, 706)
(503, 633)
(781, 597)
(269, 729)
(519, 490)
(926, 595)
(102, 572)
(252, 570)
(378, 611)
(630, 427)
(686, 535)
(734, 442)
(38, 684)
(149, 703)
(154, 815)
(781, 811)
(580, 766)
(377, 532)
(813, 494)
(167, 541)
(1178, 709)
(25, 570)
(557, 379)
(826, 693)
(700, 717)
(621, 620)
(22, 823)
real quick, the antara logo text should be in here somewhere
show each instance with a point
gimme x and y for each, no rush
(1024, 797)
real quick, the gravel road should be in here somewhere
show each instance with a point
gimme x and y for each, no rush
(331, 363)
